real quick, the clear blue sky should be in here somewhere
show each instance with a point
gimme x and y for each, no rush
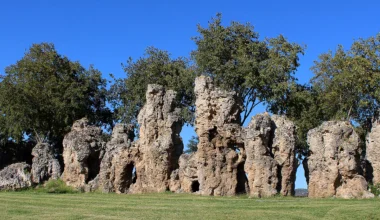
(106, 33)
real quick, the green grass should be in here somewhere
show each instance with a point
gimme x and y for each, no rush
(39, 205)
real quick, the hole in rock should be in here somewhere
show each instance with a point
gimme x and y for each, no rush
(128, 177)
(195, 186)
(242, 180)
(93, 162)
(212, 133)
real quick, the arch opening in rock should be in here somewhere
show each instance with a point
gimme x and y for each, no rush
(195, 186)
(93, 163)
(242, 180)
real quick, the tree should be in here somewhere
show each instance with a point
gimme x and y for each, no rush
(155, 67)
(348, 82)
(301, 105)
(192, 146)
(259, 71)
(44, 93)
(345, 87)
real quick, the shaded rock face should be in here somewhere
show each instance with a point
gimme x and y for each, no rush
(83, 150)
(116, 168)
(15, 176)
(270, 155)
(44, 166)
(160, 144)
(217, 126)
(334, 162)
(373, 153)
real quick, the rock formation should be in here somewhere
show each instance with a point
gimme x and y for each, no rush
(83, 150)
(373, 153)
(185, 179)
(217, 126)
(270, 152)
(333, 163)
(44, 166)
(116, 169)
(159, 144)
(147, 164)
(284, 151)
(15, 176)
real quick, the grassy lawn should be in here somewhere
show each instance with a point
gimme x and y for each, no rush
(37, 205)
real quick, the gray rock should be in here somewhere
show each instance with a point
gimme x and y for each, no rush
(44, 166)
(83, 150)
(116, 168)
(15, 176)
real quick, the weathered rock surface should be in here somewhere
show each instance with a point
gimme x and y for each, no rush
(44, 166)
(270, 152)
(260, 165)
(116, 169)
(373, 153)
(185, 178)
(217, 126)
(160, 144)
(283, 148)
(83, 150)
(15, 176)
(333, 163)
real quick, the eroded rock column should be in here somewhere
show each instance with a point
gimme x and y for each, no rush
(217, 126)
(373, 153)
(45, 166)
(118, 164)
(159, 144)
(270, 151)
(83, 150)
(333, 163)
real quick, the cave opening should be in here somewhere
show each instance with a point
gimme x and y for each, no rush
(93, 163)
(242, 180)
(195, 186)
(128, 177)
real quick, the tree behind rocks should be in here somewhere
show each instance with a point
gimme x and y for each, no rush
(42, 94)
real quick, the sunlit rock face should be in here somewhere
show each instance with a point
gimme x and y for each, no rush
(185, 178)
(83, 151)
(159, 145)
(270, 155)
(117, 166)
(45, 166)
(15, 176)
(373, 153)
(220, 151)
(334, 162)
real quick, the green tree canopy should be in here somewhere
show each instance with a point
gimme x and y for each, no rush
(44, 93)
(155, 67)
(259, 71)
(345, 86)
(348, 82)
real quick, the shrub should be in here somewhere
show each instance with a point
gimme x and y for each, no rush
(57, 186)
(375, 189)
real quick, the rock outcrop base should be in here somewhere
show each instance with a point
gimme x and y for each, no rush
(334, 162)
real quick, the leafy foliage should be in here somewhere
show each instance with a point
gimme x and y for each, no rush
(44, 93)
(234, 56)
(348, 82)
(192, 146)
(156, 67)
